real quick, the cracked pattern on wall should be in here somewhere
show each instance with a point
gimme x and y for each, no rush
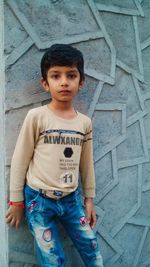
(115, 41)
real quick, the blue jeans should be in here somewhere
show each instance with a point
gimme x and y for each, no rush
(41, 214)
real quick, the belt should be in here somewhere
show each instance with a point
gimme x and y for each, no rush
(53, 193)
(56, 194)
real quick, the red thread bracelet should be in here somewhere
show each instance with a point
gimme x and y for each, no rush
(21, 204)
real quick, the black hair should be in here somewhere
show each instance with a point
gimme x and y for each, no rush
(62, 55)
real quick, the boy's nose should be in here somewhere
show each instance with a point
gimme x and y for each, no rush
(64, 81)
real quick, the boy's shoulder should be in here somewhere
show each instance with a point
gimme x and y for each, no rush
(36, 112)
(86, 119)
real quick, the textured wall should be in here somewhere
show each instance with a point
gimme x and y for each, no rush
(115, 39)
(3, 228)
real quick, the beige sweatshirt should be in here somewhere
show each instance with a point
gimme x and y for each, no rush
(50, 152)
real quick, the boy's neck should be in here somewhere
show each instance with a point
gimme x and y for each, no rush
(60, 106)
(63, 109)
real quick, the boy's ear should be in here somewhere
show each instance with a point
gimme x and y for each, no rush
(45, 85)
(81, 84)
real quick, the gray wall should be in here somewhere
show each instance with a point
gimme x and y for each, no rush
(3, 229)
(115, 39)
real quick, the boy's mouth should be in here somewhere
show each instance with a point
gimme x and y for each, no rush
(65, 92)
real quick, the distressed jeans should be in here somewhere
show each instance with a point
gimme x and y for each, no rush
(41, 213)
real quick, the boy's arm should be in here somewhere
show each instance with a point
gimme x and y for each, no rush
(22, 156)
(20, 161)
(88, 175)
(87, 165)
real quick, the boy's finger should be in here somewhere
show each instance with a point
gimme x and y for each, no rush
(93, 224)
(9, 218)
(7, 213)
(12, 221)
(88, 213)
(17, 224)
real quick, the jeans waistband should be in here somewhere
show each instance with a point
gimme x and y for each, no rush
(55, 194)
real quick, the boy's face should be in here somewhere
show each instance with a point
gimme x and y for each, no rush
(63, 82)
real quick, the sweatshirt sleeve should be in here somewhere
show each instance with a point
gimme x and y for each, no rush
(87, 165)
(22, 156)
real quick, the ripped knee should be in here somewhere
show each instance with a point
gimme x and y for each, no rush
(44, 239)
(47, 244)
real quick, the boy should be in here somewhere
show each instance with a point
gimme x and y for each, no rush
(55, 141)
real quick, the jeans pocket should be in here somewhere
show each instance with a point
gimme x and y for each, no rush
(32, 199)
(33, 205)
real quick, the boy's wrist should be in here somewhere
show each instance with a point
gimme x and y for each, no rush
(16, 204)
(88, 200)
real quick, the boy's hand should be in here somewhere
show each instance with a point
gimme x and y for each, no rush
(14, 215)
(90, 211)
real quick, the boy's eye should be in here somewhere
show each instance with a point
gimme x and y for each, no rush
(71, 76)
(55, 76)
